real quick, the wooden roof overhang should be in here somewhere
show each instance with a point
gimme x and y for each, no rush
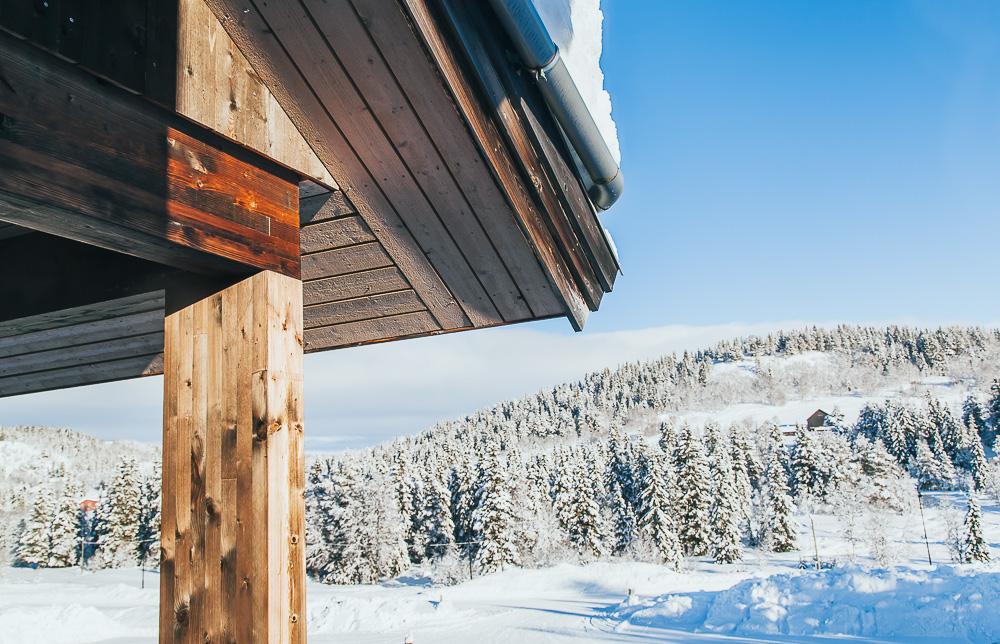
(429, 189)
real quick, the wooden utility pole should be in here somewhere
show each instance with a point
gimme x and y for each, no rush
(233, 565)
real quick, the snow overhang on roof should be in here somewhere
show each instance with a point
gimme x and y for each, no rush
(571, 83)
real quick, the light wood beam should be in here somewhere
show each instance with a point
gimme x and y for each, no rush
(233, 565)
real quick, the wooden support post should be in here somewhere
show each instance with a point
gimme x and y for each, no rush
(233, 565)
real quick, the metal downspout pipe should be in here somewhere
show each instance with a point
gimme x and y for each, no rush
(522, 23)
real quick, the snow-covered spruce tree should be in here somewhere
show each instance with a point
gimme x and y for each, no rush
(148, 534)
(973, 414)
(977, 459)
(436, 525)
(462, 487)
(494, 519)
(621, 486)
(780, 532)
(927, 468)
(975, 549)
(725, 513)
(64, 532)
(668, 441)
(694, 495)
(742, 485)
(949, 476)
(585, 525)
(371, 531)
(118, 515)
(950, 431)
(745, 454)
(993, 407)
(407, 499)
(34, 543)
(322, 504)
(809, 468)
(656, 525)
(882, 475)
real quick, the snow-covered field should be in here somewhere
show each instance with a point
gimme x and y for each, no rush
(764, 598)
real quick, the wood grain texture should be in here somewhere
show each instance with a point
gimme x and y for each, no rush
(497, 76)
(45, 330)
(353, 115)
(60, 275)
(311, 114)
(335, 233)
(489, 128)
(396, 49)
(233, 442)
(89, 161)
(339, 261)
(362, 308)
(217, 87)
(317, 207)
(422, 160)
(342, 287)
(368, 331)
(175, 53)
(99, 342)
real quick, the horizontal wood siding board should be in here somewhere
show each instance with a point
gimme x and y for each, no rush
(86, 332)
(362, 308)
(340, 261)
(80, 354)
(327, 205)
(298, 33)
(88, 374)
(305, 107)
(86, 160)
(368, 331)
(335, 233)
(430, 174)
(501, 158)
(400, 327)
(23, 332)
(343, 287)
(429, 97)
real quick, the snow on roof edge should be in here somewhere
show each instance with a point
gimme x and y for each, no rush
(576, 26)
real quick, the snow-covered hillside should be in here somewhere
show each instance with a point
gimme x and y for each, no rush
(690, 481)
(47, 472)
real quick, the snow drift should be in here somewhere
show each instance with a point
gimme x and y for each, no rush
(944, 603)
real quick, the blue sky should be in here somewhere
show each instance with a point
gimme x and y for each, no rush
(786, 162)
(822, 160)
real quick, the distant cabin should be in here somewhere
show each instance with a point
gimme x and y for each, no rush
(818, 419)
(88, 505)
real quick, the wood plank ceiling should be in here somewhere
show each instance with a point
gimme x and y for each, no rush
(441, 196)
(357, 79)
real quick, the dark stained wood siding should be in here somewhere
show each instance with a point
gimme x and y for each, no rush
(354, 77)
(175, 53)
(89, 161)
(353, 292)
(102, 342)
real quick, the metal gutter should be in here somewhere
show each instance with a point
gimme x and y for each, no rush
(538, 53)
